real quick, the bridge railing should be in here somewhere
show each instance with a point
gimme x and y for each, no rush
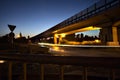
(96, 8)
(105, 62)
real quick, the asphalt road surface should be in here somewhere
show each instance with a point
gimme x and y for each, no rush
(85, 51)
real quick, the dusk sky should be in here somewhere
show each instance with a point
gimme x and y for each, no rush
(32, 17)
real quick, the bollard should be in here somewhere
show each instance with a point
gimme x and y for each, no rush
(84, 73)
(61, 72)
(10, 71)
(25, 71)
(112, 74)
(42, 71)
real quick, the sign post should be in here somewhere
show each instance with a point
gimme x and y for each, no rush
(11, 35)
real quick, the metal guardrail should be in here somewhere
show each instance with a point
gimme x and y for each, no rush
(106, 62)
(98, 7)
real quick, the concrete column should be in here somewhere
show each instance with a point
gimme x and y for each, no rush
(60, 39)
(55, 39)
(115, 37)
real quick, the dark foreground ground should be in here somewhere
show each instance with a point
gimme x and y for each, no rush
(52, 71)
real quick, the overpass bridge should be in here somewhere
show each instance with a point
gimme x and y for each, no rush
(103, 16)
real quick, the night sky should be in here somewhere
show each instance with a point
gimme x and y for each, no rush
(32, 17)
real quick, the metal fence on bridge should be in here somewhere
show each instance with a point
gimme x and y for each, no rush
(98, 7)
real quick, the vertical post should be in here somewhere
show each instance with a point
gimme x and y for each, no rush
(25, 71)
(105, 4)
(10, 71)
(119, 3)
(11, 27)
(42, 71)
(115, 36)
(87, 13)
(55, 38)
(60, 39)
(84, 73)
(95, 8)
(112, 74)
(61, 72)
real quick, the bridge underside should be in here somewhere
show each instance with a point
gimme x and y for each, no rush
(107, 18)
(108, 22)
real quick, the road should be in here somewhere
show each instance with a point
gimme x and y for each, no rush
(96, 51)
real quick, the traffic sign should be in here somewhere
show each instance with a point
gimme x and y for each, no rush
(11, 27)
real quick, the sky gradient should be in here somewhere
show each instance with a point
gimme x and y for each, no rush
(32, 17)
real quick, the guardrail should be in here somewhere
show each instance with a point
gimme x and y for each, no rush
(112, 63)
(96, 8)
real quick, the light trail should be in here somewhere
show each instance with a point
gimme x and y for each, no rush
(67, 45)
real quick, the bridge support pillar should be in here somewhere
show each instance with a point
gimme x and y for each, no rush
(60, 39)
(55, 38)
(115, 37)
